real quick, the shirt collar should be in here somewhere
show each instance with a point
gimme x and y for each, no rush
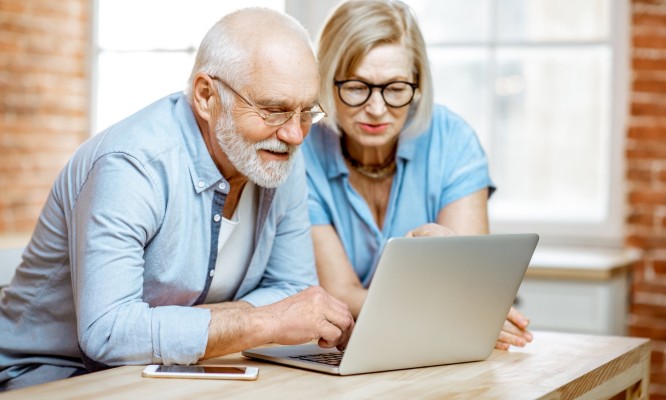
(203, 171)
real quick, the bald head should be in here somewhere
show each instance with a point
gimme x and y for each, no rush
(252, 25)
(244, 40)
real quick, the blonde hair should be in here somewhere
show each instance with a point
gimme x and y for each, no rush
(353, 29)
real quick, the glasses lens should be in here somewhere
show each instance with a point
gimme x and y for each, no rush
(306, 117)
(312, 117)
(275, 119)
(354, 93)
(398, 94)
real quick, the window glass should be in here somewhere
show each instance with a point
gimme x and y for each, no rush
(548, 20)
(146, 48)
(163, 24)
(461, 82)
(130, 81)
(453, 21)
(534, 78)
(551, 133)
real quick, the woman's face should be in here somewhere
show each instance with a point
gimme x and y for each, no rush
(373, 123)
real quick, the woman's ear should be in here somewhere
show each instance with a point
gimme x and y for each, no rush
(203, 96)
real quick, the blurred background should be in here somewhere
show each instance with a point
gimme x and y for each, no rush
(568, 98)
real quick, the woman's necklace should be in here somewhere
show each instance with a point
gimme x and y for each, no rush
(370, 171)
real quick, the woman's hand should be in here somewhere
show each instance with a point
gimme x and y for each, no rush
(430, 229)
(514, 332)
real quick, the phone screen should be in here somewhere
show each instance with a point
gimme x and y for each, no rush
(204, 369)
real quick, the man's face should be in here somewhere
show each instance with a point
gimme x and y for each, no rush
(285, 79)
(244, 154)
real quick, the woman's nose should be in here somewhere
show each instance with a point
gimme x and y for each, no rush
(375, 104)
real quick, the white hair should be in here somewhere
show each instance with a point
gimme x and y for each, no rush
(227, 49)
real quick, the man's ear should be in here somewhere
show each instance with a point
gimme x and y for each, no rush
(203, 96)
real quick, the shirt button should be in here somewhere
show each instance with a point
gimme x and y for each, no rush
(200, 184)
(216, 218)
(222, 186)
(211, 273)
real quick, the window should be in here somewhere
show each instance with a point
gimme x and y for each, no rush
(541, 82)
(146, 48)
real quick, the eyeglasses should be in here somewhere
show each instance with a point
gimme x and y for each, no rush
(396, 94)
(279, 118)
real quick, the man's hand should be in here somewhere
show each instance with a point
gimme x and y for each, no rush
(514, 332)
(310, 315)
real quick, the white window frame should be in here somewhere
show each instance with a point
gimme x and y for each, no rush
(609, 232)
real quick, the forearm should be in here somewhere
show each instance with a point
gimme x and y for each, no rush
(309, 315)
(226, 305)
(468, 215)
(352, 295)
(233, 329)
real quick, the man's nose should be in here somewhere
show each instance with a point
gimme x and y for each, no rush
(291, 132)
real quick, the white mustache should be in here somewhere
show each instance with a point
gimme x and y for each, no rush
(274, 145)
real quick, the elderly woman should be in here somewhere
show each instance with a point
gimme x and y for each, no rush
(387, 162)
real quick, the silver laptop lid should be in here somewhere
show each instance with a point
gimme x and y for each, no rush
(432, 301)
(437, 300)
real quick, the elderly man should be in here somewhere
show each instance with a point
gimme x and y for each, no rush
(179, 233)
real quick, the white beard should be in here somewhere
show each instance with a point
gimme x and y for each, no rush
(245, 157)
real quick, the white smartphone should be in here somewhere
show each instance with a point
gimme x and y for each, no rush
(202, 371)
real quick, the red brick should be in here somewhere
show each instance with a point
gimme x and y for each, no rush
(640, 218)
(646, 241)
(655, 286)
(656, 197)
(44, 102)
(649, 310)
(650, 327)
(648, 109)
(649, 86)
(648, 64)
(650, 287)
(652, 149)
(660, 268)
(649, 41)
(650, 20)
(654, 132)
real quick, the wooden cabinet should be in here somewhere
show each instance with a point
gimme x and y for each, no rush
(577, 290)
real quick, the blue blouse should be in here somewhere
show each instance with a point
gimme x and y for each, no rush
(434, 169)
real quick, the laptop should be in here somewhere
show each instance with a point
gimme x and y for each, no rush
(432, 301)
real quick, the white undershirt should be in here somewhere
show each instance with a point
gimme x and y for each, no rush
(234, 252)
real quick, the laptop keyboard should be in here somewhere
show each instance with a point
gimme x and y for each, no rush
(326, 358)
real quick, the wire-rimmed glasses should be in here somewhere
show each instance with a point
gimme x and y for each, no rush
(278, 118)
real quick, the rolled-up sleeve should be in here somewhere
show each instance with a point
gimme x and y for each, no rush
(118, 211)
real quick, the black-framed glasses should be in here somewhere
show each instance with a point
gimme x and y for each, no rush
(396, 94)
(278, 118)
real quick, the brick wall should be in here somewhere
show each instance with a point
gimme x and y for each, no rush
(44, 96)
(646, 181)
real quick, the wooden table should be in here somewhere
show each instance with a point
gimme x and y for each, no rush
(554, 366)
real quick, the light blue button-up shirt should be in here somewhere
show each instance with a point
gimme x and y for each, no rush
(434, 169)
(127, 243)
